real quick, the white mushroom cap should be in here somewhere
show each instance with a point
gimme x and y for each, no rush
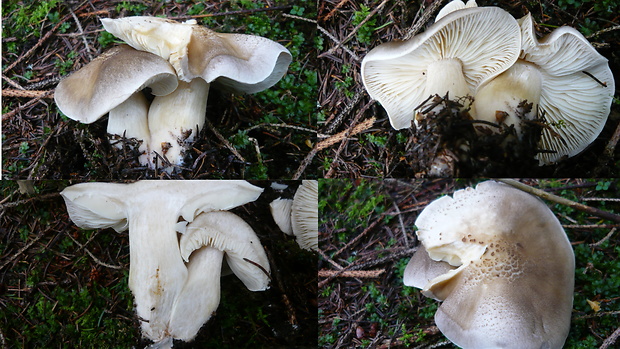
(151, 210)
(305, 215)
(454, 5)
(576, 105)
(175, 120)
(111, 79)
(281, 212)
(455, 55)
(513, 282)
(245, 63)
(227, 232)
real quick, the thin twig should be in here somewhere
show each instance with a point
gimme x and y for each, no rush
(425, 18)
(560, 200)
(97, 260)
(239, 12)
(364, 274)
(224, 140)
(28, 94)
(611, 339)
(598, 243)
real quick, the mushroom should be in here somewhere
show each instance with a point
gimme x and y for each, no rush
(565, 79)
(242, 63)
(281, 211)
(507, 268)
(112, 83)
(305, 215)
(181, 61)
(202, 245)
(299, 216)
(151, 210)
(453, 56)
(454, 5)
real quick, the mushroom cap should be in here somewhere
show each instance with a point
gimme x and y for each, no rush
(281, 212)
(575, 104)
(96, 205)
(395, 73)
(244, 63)
(227, 232)
(454, 5)
(111, 79)
(512, 275)
(305, 215)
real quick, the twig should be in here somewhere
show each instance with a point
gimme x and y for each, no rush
(81, 32)
(34, 198)
(560, 200)
(363, 126)
(28, 94)
(611, 339)
(282, 125)
(224, 140)
(601, 199)
(239, 12)
(616, 27)
(37, 45)
(331, 170)
(344, 113)
(313, 21)
(21, 250)
(117, 267)
(425, 17)
(598, 243)
(354, 31)
(334, 39)
(29, 103)
(368, 274)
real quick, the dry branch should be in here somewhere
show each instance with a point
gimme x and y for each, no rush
(560, 200)
(351, 273)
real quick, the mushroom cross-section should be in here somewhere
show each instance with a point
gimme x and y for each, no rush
(501, 263)
(151, 210)
(565, 79)
(453, 56)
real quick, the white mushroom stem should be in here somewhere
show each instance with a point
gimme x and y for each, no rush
(521, 82)
(176, 119)
(156, 271)
(200, 296)
(129, 120)
(446, 76)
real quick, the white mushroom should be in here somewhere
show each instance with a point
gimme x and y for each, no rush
(203, 244)
(281, 212)
(305, 215)
(565, 79)
(454, 5)
(150, 210)
(507, 268)
(453, 56)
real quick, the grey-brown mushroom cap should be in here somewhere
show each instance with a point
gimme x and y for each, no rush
(110, 79)
(513, 287)
(396, 73)
(575, 105)
(421, 269)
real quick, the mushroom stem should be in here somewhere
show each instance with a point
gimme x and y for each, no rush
(176, 119)
(498, 100)
(200, 295)
(156, 270)
(446, 75)
(129, 120)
